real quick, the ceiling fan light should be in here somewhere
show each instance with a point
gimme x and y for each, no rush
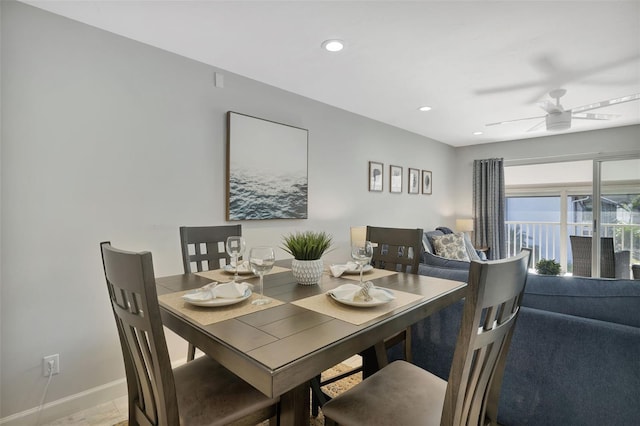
(559, 121)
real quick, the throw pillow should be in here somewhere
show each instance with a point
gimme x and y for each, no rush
(451, 246)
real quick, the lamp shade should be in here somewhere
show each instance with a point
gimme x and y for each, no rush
(358, 234)
(464, 225)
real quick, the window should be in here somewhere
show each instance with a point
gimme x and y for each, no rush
(548, 202)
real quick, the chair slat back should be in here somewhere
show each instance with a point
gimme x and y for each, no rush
(204, 246)
(398, 249)
(581, 253)
(132, 290)
(491, 307)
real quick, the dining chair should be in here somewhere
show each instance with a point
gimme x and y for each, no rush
(612, 264)
(396, 249)
(200, 392)
(204, 247)
(404, 394)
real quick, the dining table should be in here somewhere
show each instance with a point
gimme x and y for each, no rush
(279, 347)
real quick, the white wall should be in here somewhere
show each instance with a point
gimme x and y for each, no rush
(104, 138)
(570, 146)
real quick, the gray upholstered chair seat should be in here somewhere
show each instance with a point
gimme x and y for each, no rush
(419, 404)
(208, 394)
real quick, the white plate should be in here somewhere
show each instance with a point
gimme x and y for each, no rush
(220, 301)
(365, 269)
(229, 269)
(363, 304)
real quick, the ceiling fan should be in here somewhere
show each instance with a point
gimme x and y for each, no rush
(558, 118)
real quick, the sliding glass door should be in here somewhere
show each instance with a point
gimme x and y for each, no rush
(548, 203)
(616, 195)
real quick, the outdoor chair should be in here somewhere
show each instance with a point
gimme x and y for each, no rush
(404, 394)
(200, 392)
(612, 264)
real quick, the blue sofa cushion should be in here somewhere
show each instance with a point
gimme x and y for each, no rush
(573, 359)
(603, 299)
(561, 369)
(567, 370)
(451, 273)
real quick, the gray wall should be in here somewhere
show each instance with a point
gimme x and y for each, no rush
(104, 138)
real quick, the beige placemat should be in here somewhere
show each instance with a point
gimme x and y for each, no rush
(220, 275)
(375, 273)
(206, 316)
(324, 304)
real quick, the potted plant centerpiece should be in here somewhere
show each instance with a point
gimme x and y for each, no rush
(307, 249)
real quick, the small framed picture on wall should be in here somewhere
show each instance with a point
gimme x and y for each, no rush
(395, 180)
(414, 181)
(376, 175)
(427, 182)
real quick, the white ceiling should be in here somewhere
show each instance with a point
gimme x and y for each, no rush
(474, 62)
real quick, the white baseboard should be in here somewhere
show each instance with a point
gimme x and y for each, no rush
(69, 405)
(66, 406)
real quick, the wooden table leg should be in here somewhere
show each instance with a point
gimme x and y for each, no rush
(294, 406)
(373, 359)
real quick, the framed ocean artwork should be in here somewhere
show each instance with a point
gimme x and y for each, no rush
(266, 169)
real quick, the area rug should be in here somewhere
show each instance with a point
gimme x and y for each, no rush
(332, 390)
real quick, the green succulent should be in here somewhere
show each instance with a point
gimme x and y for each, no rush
(548, 267)
(307, 245)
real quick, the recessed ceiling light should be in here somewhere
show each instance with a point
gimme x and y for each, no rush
(424, 108)
(333, 45)
(477, 133)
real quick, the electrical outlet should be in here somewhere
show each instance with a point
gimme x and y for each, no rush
(55, 368)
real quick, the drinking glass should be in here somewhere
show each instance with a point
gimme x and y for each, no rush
(361, 253)
(261, 260)
(235, 249)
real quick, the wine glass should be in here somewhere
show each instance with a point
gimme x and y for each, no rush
(261, 260)
(361, 253)
(235, 248)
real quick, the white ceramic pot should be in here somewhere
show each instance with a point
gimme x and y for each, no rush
(307, 272)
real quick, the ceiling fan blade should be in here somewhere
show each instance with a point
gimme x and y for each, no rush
(550, 107)
(513, 121)
(592, 116)
(536, 127)
(608, 102)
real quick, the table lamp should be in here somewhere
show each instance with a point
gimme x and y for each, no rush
(465, 225)
(358, 234)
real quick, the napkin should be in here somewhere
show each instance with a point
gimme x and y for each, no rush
(353, 292)
(337, 270)
(242, 267)
(214, 290)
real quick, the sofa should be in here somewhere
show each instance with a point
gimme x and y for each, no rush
(575, 354)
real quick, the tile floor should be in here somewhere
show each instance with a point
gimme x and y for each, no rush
(115, 411)
(105, 414)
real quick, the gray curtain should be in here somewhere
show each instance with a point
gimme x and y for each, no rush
(489, 206)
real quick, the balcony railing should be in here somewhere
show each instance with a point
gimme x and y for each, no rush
(549, 240)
